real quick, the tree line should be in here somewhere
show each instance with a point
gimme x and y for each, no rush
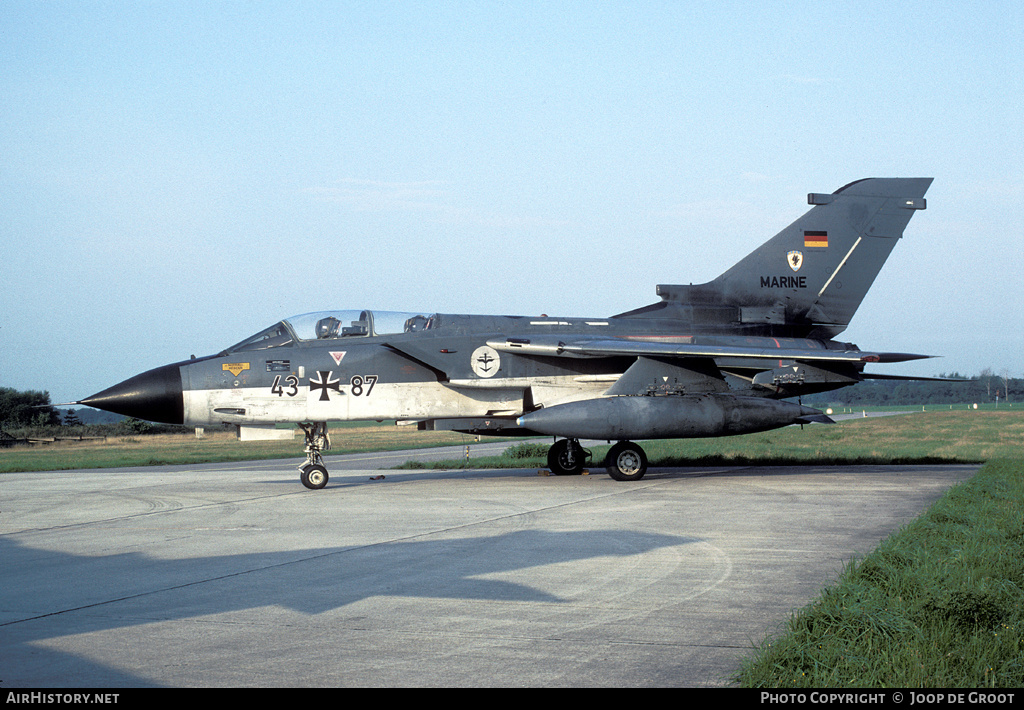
(984, 388)
(26, 408)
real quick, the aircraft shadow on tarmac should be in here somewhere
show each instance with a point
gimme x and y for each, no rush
(128, 589)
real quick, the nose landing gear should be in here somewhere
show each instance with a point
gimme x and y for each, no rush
(313, 473)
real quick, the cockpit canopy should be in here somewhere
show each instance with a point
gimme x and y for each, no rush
(331, 325)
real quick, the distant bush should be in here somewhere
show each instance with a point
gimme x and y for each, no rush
(137, 426)
(526, 450)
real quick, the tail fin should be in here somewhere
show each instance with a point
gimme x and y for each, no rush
(809, 279)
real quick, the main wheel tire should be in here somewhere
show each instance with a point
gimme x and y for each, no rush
(566, 458)
(314, 477)
(626, 462)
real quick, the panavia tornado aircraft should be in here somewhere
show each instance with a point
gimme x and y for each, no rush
(712, 359)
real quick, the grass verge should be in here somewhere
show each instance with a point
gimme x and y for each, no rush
(938, 604)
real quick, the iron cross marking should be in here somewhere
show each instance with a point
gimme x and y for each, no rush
(323, 382)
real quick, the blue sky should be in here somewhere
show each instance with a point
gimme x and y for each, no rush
(175, 176)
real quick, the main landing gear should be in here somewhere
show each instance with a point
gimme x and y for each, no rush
(567, 458)
(625, 461)
(313, 473)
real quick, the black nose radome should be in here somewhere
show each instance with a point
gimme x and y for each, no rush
(154, 396)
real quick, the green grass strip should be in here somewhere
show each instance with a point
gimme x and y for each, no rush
(939, 604)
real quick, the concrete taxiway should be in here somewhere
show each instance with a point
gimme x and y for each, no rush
(235, 575)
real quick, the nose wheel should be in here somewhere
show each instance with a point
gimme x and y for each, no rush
(313, 473)
(313, 477)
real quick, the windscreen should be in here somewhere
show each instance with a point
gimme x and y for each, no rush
(273, 337)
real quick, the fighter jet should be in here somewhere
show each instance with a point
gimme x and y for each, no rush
(714, 359)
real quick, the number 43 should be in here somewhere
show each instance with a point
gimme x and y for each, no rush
(293, 384)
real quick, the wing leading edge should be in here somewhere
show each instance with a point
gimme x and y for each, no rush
(554, 346)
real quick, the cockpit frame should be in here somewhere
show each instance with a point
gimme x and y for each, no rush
(334, 325)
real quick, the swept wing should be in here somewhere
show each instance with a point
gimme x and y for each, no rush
(612, 347)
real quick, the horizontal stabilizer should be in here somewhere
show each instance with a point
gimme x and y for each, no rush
(901, 357)
(911, 378)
